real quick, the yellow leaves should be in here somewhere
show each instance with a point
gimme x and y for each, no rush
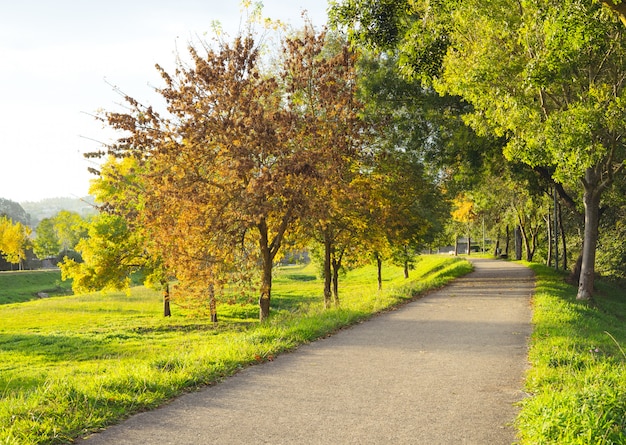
(14, 239)
(464, 209)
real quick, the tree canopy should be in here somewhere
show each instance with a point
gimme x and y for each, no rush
(546, 77)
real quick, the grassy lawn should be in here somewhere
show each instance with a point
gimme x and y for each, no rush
(577, 383)
(71, 365)
(16, 287)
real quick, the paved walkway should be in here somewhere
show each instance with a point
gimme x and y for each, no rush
(446, 369)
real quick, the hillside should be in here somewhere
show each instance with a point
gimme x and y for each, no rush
(14, 211)
(49, 207)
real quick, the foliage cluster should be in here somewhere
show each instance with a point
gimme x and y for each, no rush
(14, 240)
(578, 357)
(72, 365)
(543, 80)
(59, 235)
(245, 160)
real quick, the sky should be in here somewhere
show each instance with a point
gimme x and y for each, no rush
(59, 61)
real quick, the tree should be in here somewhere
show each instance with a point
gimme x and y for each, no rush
(70, 228)
(116, 247)
(110, 255)
(464, 213)
(320, 80)
(548, 77)
(46, 243)
(14, 240)
(226, 163)
(59, 234)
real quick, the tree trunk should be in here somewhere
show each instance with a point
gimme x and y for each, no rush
(591, 200)
(518, 243)
(563, 240)
(496, 249)
(508, 241)
(456, 245)
(212, 303)
(534, 237)
(336, 266)
(266, 273)
(166, 301)
(327, 269)
(379, 264)
(551, 240)
(406, 262)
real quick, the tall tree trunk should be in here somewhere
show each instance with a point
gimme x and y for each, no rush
(336, 266)
(327, 269)
(551, 240)
(266, 272)
(166, 300)
(591, 199)
(379, 264)
(406, 262)
(563, 239)
(533, 245)
(268, 251)
(456, 245)
(496, 249)
(518, 243)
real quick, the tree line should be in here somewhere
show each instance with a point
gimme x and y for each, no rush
(543, 80)
(403, 127)
(248, 159)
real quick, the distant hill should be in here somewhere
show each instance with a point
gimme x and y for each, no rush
(50, 207)
(14, 211)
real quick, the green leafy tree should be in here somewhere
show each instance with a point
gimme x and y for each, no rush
(69, 228)
(46, 243)
(546, 76)
(110, 255)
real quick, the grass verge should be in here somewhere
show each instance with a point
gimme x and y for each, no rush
(16, 287)
(577, 380)
(72, 365)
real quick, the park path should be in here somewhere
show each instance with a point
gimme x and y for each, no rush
(445, 369)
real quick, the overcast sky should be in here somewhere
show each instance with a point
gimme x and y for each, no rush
(57, 59)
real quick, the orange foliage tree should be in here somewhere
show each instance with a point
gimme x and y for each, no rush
(236, 158)
(320, 79)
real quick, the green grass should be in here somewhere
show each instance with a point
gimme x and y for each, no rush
(72, 365)
(16, 287)
(577, 382)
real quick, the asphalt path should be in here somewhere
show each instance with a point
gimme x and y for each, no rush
(445, 369)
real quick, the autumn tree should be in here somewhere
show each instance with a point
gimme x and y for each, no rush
(116, 248)
(109, 253)
(225, 165)
(319, 73)
(14, 240)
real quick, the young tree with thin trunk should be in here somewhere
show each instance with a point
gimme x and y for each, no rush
(319, 72)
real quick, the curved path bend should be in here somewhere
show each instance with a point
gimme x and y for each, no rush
(445, 369)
